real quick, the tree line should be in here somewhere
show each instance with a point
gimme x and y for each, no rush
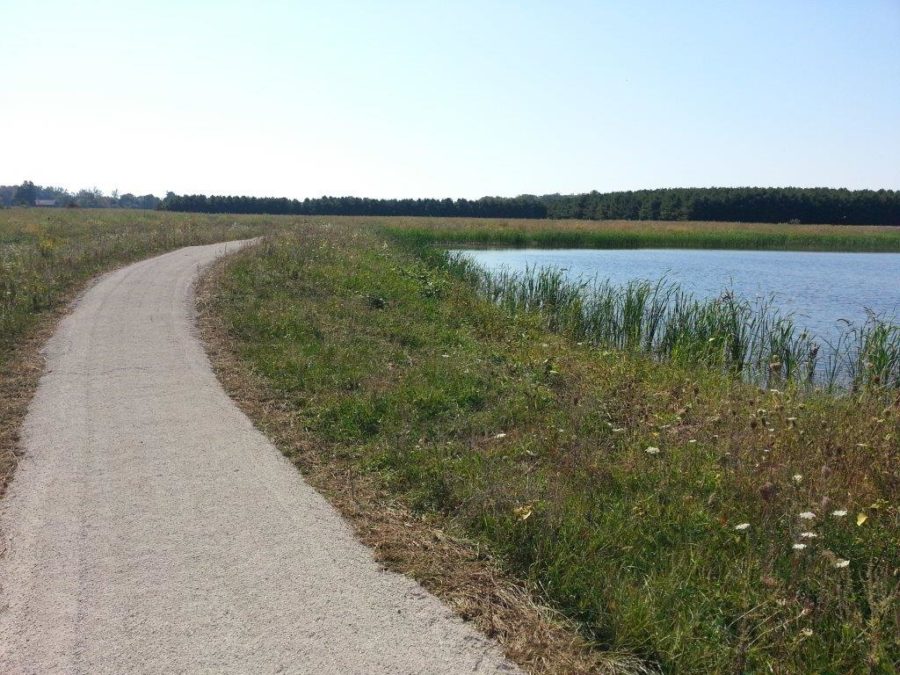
(29, 194)
(761, 205)
(747, 204)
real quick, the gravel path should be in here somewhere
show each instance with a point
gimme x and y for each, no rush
(151, 528)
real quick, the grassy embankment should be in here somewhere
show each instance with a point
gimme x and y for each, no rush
(676, 512)
(47, 255)
(642, 234)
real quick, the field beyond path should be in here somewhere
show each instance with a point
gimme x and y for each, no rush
(150, 527)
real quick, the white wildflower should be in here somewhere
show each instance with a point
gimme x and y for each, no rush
(807, 515)
(652, 450)
(742, 526)
(808, 535)
(798, 478)
(500, 435)
(840, 564)
(799, 547)
(840, 513)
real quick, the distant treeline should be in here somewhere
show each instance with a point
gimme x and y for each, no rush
(761, 205)
(29, 194)
(758, 205)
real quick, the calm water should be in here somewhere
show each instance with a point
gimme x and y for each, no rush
(818, 288)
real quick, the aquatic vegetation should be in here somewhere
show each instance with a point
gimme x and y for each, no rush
(750, 338)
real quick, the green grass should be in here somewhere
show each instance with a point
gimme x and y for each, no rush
(393, 360)
(641, 234)
(543, 450)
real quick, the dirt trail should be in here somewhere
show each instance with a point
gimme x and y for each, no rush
(151, 528)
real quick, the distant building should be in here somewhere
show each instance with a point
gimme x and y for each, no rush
(45, 202)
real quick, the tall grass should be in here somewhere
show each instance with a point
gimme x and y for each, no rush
(752, 339)
(459, 232)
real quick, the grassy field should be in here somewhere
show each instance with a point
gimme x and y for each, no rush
(661, 506)
(678, 514)
(641, 234)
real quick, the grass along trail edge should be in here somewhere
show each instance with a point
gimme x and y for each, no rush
(427, 547)
(674, 513)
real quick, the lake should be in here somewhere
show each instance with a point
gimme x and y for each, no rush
(819, 289)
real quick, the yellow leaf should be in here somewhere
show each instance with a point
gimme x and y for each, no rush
(861, 518)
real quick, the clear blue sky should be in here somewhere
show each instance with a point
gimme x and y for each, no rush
(458, 99)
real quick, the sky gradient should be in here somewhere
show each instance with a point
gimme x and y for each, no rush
(462, 99)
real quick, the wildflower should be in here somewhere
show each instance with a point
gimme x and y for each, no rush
(652, 450)
(807, 515)
(841, 563)
(524, 512)
(840, 513)
(742, 527)
(619, 430)
(861, 518)
(500, 435)
(798, 478)
(693, 440)
(808, 535)
(798, 547)
(806, 632)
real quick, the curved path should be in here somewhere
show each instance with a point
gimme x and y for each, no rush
(151, 528)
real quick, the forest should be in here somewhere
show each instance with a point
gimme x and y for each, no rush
(740, 204)
(759, 205)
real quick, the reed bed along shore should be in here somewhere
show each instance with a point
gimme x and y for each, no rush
(457, 232)
(750, 339)
(678, 514)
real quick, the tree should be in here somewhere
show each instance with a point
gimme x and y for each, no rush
(25, 194)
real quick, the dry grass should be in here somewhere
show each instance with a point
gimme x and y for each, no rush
(19, 377)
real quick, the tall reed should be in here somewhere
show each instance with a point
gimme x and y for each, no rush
(752, 339)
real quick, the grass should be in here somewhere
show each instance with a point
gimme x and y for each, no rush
(495, 423)
(676, 513)
(641, 234)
